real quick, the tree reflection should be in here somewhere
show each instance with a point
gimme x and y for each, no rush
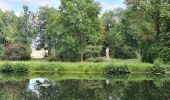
(86, 90)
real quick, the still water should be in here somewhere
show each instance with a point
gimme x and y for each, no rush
(78, 87)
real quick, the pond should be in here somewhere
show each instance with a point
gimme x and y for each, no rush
(84, 87)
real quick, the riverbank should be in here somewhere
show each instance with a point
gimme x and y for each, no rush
(133, 65)
(58, 77)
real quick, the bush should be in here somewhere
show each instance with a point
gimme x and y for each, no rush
(96, 60)
(116, 69)
(21, 68)
(158, 67)
(124, 52)
(92, 52)
(91, 60)
(164, 54)
(155, 51)
(68, 55)
(7, 68)
(100, 59)
(17, 68)
(17, 52)
(45, 67)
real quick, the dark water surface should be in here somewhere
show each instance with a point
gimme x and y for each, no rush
(77, 87)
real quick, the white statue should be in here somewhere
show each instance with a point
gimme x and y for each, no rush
(107, 52)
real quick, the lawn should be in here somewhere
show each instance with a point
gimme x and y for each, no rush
(134, 66)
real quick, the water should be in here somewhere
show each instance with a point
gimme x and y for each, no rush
(84, 87)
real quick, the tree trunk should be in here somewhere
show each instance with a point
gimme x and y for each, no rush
(49, 51)
(157, 29)
(81, 56)
(157, 25)
(138, 53)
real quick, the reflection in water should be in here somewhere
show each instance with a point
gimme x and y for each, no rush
(36, 84)
(46, 89)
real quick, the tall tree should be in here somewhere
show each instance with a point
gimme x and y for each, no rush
(148, 19)
(26, 27)
(48, 28)
(8, 30)
(81, 25)
(8, 27)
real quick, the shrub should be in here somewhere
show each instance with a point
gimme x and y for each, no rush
(45, 67)
(116, 69)
(100, 59)
(164, 54)
(11, 68)
(92, 51)
(96, 60)
(91, 60)
(7, 68)
(124, 52)
(21, 68)
(111, 69)
(17, 52)
(156, 51)
(68, 55)
(158, 67)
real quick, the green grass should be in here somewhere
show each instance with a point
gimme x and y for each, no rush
(58, 77)
(135, 66)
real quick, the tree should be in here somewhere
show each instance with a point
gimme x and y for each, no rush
(81, 25)
(26, 27)
(25, 30)
(48, 28)
(114, 34)
(8, 30)
(149, 21)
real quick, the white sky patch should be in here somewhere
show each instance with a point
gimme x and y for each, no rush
(32, 2)
(17, 13)
(16, 5)
(110, 6)
(4, 5)
(113, 6)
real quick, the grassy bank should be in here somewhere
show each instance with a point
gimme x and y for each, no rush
(134, 66)
(59, 77)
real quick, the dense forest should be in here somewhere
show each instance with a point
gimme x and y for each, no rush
(78, 31)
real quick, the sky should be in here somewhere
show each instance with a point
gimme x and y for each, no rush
(16, 5)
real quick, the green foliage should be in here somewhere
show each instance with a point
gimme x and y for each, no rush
(96, 60)
(86, 67)
(45, 67)
(75, 32)
(156, 52)
(81, 25)
(164, 54)
(68, 55)
(8, 27)
(116, 69)
(18, 68)
(92, 52)
(25, 27)
(147, 28)
(91, 60)
(17, 52)
(1, 52)
(124, 52)
(158, 67)
(7, 68)
(114, 36)
(100, 59)
(16, 35)
(48, 29)
(21, 68)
